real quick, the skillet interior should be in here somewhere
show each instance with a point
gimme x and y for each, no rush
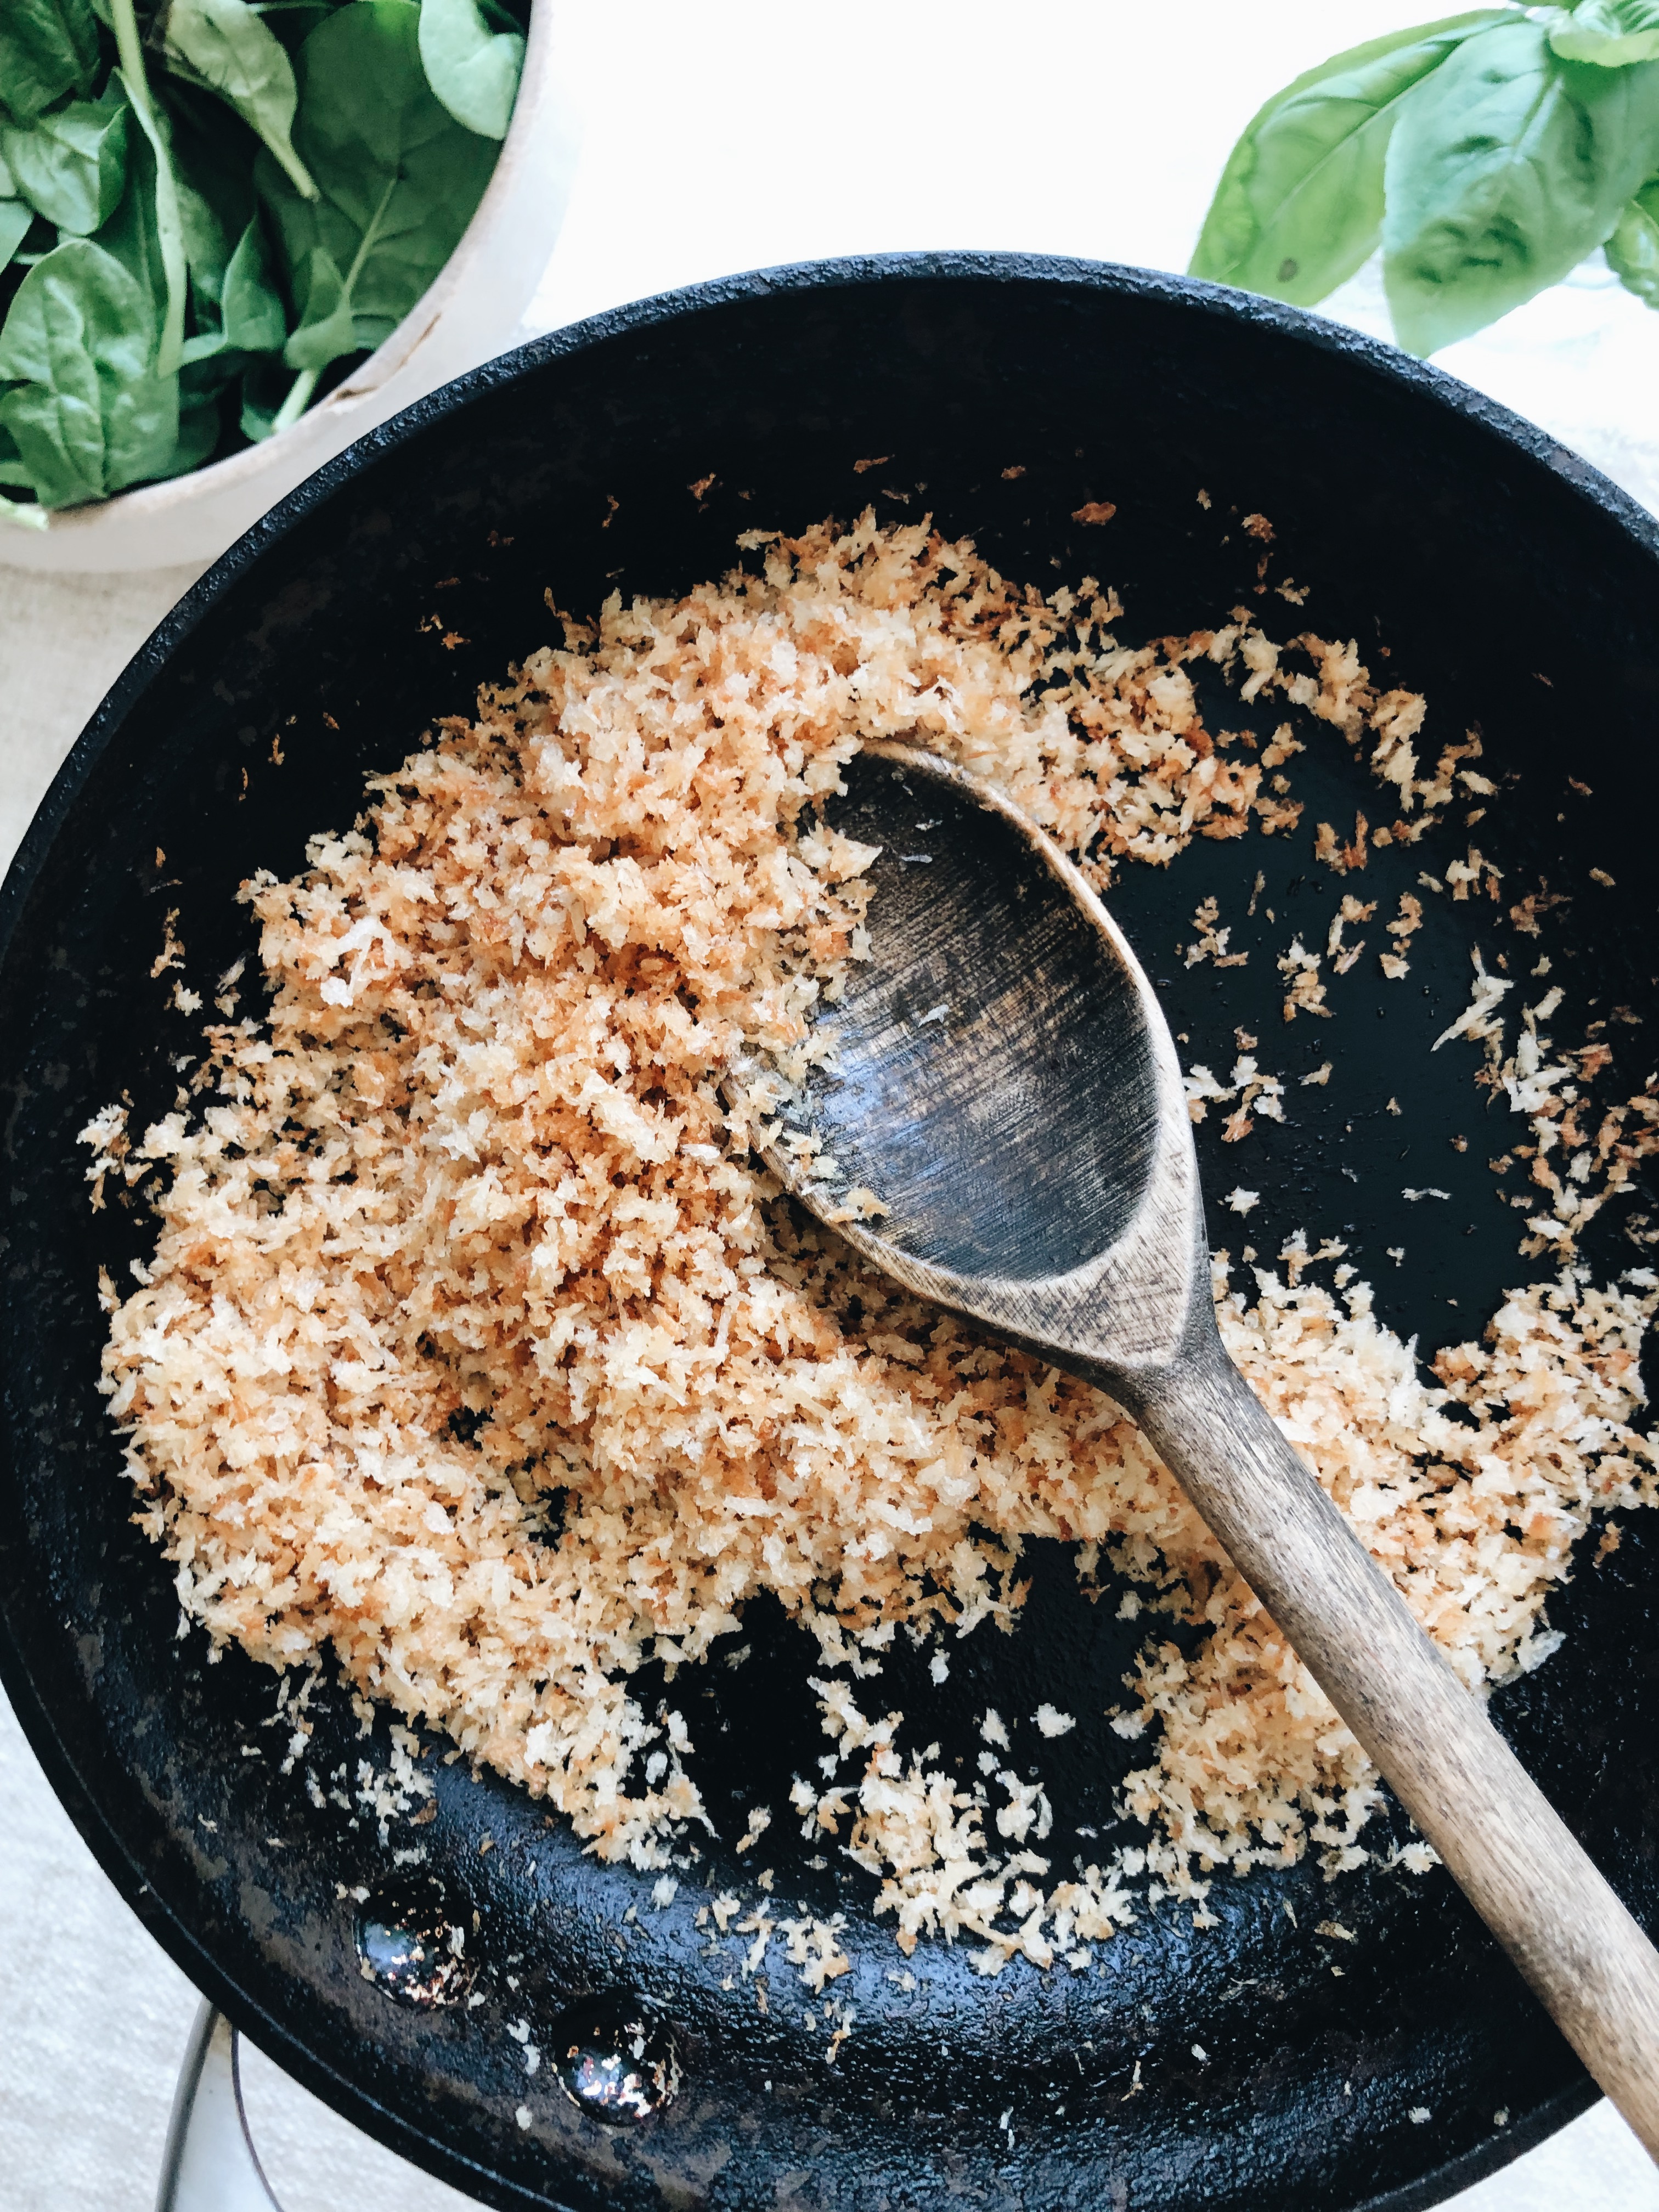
(1425, 521)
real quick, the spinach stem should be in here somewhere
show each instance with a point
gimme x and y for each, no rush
(299, 392)
(298, 399)
(169, 225)
(294, 169)
(371, 235)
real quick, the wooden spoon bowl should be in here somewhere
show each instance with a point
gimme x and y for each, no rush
(1004, 1042)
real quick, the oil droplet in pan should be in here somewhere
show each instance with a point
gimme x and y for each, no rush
(617, 2058)
(411, 1942)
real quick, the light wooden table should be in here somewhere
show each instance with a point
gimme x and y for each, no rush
(724, 137)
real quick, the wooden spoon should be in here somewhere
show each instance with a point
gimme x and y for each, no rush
(1004, 1082)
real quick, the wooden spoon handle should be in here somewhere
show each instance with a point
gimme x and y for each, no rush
(1516, 1859)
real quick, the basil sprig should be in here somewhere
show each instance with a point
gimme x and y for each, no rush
(208, 207)
(1486, 154)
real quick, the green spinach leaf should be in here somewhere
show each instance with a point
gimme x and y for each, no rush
(170, 232)
(16, 216)
(327, 327)
(1509, 168)
(212, 161)
(473, 71)
(399, 178)
(251, 311)
(1612, 33)
(87, 415)
(1299, 206)
(71, 165)
(168, 220)
(264, 389)
(31, 515)
(292, 20)
(254, 319)
(131, 235)
(207, 248)
(200, 422)
(1633, 250)
(225, 46)
(12, 470)
(47, 48)
(210, 359)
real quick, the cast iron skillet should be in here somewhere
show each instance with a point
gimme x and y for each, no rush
(1498, 574)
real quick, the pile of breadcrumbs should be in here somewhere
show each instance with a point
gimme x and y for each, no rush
(478, 1352)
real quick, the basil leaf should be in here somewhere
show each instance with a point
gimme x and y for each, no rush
(473, 71)
(71, 165)
(1632, 252)
(1612, 33)
(15, 220)
(225, 45)
(47, 48)
(1299, 206)
(1502, 174)
(399, 177)
(87, 416)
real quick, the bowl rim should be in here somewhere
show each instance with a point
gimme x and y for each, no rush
(1508, 428)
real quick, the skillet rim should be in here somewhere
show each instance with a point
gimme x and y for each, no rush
(632, 318)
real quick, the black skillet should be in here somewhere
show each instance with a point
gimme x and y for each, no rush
(1473, 560)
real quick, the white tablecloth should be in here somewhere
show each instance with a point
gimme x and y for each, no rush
(724, 137)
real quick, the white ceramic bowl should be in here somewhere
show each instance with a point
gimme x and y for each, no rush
(472, 312)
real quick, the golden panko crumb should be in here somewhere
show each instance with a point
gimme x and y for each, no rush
(477, 1352)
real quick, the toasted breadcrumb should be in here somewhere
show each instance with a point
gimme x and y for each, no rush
(1303, 992)
(1256, 1094)
(477, 1352)
(1211, 943)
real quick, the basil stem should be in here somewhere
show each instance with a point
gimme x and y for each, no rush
(169, 224)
